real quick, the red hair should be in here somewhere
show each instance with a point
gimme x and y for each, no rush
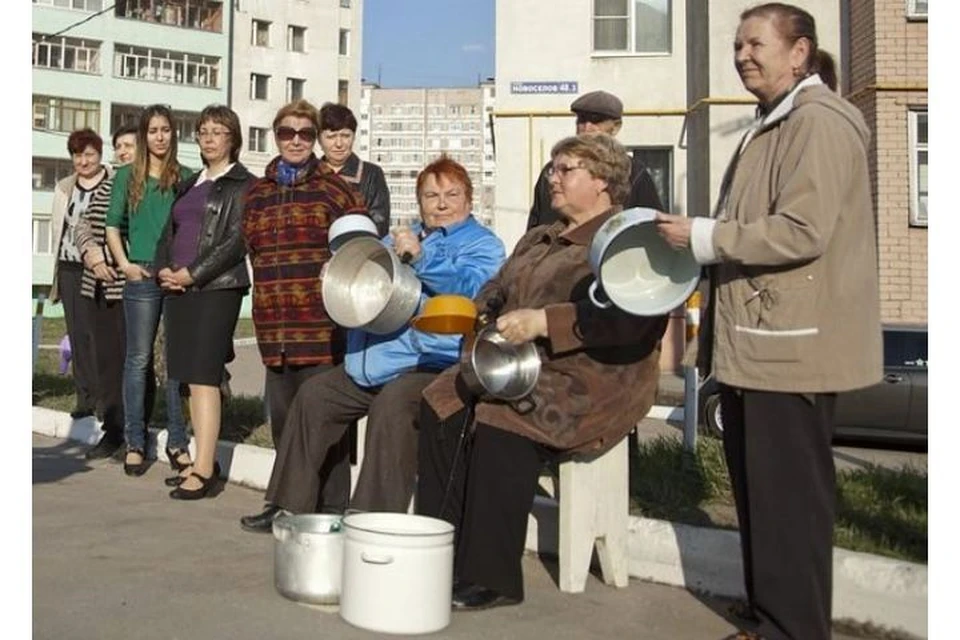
(451, 170)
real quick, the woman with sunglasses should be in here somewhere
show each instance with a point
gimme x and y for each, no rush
(288, 213)
(200, 264)
(597, 112)
(140, 202)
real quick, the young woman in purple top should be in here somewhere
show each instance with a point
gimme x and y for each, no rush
(200, 265)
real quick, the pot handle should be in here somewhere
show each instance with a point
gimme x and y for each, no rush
(595, 290)
(406, 258)
(375, 559)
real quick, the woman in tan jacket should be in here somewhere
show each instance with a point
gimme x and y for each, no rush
(599, 374)
(793, 315)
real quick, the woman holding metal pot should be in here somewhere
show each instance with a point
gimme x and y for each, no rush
(599, 374)
(793, 312)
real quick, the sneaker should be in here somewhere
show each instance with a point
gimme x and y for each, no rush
(263, 521)
(103, 449)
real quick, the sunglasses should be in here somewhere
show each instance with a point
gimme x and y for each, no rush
(592, 118)
(286, 134)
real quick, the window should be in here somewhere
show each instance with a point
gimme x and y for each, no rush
(260, 33)
(632, 26)
(206, 15)
(257, 140)
(658, 162)
(344, 42)
(69, 54)
(905, 348)
(64, 114)
(294, 89)
(160, 65)
(343, 91)
(42, 242)
(47, 172)
(917, 9)
(183, 121)
(83, 5)
(296, 38)
(918, 167)
(345, 4)
(258, 86)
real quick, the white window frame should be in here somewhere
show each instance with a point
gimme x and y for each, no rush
(56, 113)
(918, 218)
(87, 5)
(253, 86)
(914, 13)
(291, 82)
(82, 49)
(254, 31)
(631, 50)
(161, 65)
(257, 139)
(343, 42)
(291, 38)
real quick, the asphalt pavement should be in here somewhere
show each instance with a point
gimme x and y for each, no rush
(115, 557)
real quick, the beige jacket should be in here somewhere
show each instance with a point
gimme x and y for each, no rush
(61, 200)
(794, 301)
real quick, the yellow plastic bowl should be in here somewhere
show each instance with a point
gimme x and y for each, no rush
(449, 314)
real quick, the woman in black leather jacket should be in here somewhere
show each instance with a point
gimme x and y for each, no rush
(338, 128)
(200, 265)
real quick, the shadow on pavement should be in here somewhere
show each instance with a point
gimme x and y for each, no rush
(51, 464)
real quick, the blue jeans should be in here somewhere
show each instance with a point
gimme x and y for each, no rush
(142, 306)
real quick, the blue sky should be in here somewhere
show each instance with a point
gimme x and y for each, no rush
(428, 43)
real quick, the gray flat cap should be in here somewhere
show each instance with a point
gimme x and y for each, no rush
(601, 102)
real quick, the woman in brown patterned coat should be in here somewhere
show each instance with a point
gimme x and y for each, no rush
(598, 378)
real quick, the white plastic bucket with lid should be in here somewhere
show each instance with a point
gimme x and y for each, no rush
(397, 572)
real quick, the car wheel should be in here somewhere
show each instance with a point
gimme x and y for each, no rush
(712, 417)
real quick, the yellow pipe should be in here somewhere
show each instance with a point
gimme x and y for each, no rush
(633, 112)
(885, 87)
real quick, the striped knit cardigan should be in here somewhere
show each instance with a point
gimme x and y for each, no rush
(91, 239)
(285, 229)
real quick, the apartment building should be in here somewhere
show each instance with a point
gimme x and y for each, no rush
(290, 49)
(402, 130)
(886, 77)
(672, 65)
(96, 63)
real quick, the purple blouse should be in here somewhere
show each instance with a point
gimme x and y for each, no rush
(187, 218)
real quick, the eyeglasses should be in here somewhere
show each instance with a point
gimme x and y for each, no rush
(286, 134)
(217, 133)
(592, 118)
(562, 169)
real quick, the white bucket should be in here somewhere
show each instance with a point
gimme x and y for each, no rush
(397, 572)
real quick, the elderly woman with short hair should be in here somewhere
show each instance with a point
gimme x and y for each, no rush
(600, 369)
(200, 266)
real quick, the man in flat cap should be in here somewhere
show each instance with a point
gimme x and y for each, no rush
(597, 112)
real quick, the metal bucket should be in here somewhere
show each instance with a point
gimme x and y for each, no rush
(308, 557)
(366, 286)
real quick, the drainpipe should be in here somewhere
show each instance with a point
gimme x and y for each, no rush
(233, 4)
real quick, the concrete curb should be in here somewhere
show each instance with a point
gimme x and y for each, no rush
(866, 588)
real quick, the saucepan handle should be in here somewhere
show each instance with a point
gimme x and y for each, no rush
(373, 558)
(596, 290)
(406, 258)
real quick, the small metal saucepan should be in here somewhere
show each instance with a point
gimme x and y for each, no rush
(494, 367)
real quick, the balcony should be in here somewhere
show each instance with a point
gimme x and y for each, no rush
(205, 15)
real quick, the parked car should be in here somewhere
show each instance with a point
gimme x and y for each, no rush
(891, 411)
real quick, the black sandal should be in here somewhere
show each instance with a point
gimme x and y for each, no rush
(175, 481)
(135, 469)
(173, 455)
(195, 494)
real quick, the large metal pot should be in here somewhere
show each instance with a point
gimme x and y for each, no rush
(492, 366)
(308, 557)
(636, 270)
(366, 286)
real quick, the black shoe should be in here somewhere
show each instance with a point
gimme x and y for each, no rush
(136, 469)
(103, 449)
(79, 413)
(195, 494)
(262, 522)
(173, 455)
(175, 481)
(473, 597)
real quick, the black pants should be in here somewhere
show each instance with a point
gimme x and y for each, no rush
(778, 452)
(281, 388)
(318, 419)
(109, 344)
(489, 498)
(81, 340)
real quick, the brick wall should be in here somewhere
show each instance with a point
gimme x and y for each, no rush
(888, 64)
